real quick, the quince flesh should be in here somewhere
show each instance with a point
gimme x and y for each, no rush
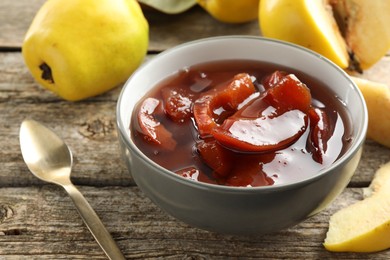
(79, 49)
(231, 11)
(353, 34)
(366, 26)
(377, 97)
(365, 225)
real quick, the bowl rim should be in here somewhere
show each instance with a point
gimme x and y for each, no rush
(354, 148)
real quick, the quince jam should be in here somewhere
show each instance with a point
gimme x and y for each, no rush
(241, 123)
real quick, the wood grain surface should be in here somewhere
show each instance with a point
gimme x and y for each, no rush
(39, 221)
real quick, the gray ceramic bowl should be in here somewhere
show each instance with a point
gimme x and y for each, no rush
(240, 210)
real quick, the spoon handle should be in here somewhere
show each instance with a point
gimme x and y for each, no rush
(94, 224)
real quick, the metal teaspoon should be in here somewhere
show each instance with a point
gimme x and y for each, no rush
(50, 159)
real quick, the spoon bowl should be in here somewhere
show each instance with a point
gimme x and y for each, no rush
(50, 159)
(45, 154)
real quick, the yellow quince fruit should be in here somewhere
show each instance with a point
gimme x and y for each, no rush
(79, 49)
(352, 33)
(231, 11)
(365, 225)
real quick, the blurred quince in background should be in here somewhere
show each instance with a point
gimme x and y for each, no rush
(169, 6)
(231, 11)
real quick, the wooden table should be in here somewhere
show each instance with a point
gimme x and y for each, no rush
(39, 221)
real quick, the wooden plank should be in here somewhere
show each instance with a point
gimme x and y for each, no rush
(18, 86)
(15, 18)
(43, 222)
(39, 221)
(89, 128)
(181, 27)
(170, 30)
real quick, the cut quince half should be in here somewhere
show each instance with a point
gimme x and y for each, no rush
(366, 28)
(308, 23)
(365, 225)
(353, 34)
